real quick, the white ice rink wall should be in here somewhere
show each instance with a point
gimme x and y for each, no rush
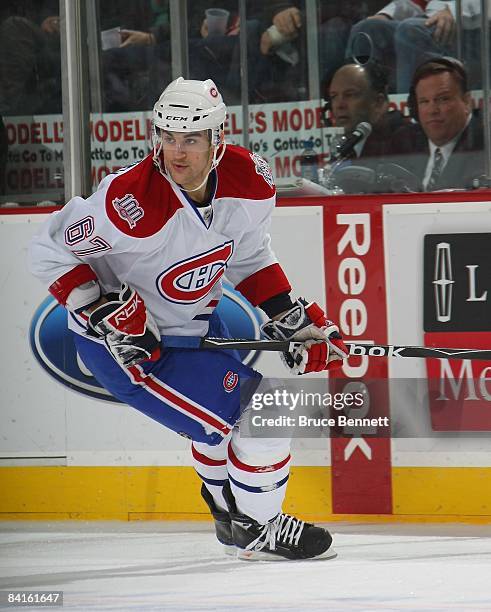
(65, 453)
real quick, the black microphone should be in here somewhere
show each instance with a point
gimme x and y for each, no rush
(362, 130)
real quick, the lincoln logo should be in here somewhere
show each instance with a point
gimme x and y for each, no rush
(457, 287)
(443, 282)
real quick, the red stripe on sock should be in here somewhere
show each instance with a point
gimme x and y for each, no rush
(255, 468)
(206, 460)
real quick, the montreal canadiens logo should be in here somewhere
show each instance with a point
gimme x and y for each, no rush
(189, 281)
(230, 381)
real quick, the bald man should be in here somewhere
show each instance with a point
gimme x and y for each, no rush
(359, 94)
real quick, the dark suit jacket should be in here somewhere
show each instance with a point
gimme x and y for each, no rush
(363, 174)
(378, 144)
(466, 163)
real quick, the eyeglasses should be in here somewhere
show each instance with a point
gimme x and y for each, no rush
(188, 144)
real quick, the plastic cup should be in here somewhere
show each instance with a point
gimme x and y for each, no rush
(216, 20)
(110, 38)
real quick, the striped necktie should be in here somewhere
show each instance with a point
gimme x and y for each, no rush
(437, 170)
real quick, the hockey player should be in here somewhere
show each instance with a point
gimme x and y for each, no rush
(144, 257)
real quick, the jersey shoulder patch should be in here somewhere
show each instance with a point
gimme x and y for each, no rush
(242, 174)
(139, 201)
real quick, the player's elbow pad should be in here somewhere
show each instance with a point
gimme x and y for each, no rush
(82, 297)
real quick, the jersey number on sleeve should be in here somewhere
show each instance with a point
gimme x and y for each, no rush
(82, 230)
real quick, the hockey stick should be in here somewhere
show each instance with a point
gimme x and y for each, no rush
(371, 350)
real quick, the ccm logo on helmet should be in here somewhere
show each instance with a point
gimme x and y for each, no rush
(189, 281)
(176, 118)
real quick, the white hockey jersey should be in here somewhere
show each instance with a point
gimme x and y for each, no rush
(140, 228)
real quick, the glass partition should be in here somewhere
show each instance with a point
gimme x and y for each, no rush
(322, 90)
(130, 65)
(409, 98)
(31, 127)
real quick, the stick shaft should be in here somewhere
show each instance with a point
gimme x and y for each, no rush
(371, 350)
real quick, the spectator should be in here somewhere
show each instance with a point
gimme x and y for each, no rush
(144, 54)
(283, 41)
(444, 149)
(359, 94)
(134, 71)
(336, 22)
(218, 56)
(275, 35)
(30, 65)
(409, 30)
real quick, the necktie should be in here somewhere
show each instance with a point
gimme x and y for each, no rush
(437, 170)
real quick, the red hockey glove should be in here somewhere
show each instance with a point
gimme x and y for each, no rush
(128, 329)
(322, 347)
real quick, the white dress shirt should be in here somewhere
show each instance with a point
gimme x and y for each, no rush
(446, 151)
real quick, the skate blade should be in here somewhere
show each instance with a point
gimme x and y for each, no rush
(259, 555)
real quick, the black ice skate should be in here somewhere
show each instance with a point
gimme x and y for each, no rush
(223, 528)
(284, 537)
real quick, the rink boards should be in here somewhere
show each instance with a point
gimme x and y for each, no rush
(66, 453)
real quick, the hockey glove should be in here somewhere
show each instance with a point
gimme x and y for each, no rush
(322, 347)
(128, 329)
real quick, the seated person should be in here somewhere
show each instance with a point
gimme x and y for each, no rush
(283, 45)
(359, 94)
(217, 55)
(445, 148)
(30, 64)
(407, 30)
(336, 20)
(134, 71)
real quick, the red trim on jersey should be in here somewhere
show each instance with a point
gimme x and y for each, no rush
(177, 401)
(63, 286)
(264, 284)
(139, 202)
(239, 178)
(206, 460)
(255, 468)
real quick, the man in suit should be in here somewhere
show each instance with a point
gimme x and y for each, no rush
(445, 148)
(358, 94)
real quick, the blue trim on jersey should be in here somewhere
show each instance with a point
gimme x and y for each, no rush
(213, 176)
(263, 489)
(202, 317)
(210, 481)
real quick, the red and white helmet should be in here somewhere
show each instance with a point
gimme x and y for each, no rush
(189, 106)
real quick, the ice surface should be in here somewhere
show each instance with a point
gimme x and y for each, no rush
(180, 567)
